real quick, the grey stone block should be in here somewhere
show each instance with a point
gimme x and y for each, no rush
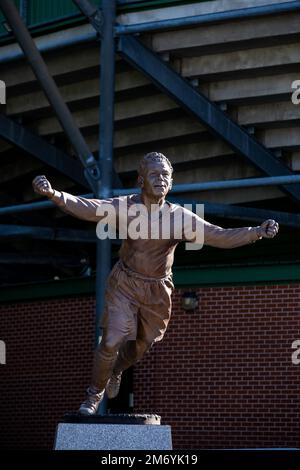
(91, 436)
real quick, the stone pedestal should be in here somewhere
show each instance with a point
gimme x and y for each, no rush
(113, 432)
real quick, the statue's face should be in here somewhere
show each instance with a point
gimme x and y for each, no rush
(157, 180)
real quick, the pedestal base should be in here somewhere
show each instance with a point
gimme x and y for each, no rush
(113, 432)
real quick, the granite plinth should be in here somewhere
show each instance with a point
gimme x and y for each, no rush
(112, 432)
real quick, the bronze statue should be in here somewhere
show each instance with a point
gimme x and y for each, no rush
(139, 287)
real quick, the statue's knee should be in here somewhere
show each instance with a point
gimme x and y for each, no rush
(111, 344)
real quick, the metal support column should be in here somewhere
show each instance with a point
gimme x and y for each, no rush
(106, 120)
(104, 22)
(24, 10)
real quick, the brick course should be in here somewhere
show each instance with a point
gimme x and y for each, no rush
(49, 347)
(223, 375)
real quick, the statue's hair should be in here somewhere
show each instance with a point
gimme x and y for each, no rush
(153, 157)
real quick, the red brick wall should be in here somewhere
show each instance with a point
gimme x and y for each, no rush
(49, 347)
(222, 377)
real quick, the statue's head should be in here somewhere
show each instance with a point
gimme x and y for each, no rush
(155, 174)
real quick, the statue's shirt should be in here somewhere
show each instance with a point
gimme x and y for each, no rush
(150, 238)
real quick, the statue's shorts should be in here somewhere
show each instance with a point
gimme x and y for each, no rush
(137, 306)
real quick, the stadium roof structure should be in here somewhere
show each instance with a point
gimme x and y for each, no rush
(210, 87)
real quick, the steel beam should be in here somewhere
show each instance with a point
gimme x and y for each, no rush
(216, 17)
(55, 42)
(214, 209)
(30, 206)
(84, 37)
(92, 13)
(24, 10)
(31, 143)
(227, 184)
(48, 233)
(205, 111)
(51, 90)
(56, 260)
(103, 22)
(249, 214)
(246, 182)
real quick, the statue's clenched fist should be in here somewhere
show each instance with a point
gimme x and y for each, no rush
(42, 186)
(268, 229)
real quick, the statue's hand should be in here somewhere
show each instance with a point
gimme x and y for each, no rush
(268, 229)
(42, 186)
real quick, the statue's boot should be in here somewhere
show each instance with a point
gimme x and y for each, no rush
(91, 403)
(113, 385)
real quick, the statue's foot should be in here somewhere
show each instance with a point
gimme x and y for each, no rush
(113, 385)
(91, 403)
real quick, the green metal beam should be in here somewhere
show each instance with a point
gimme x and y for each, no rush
(47, 290)
(183, 278)
(214, 276)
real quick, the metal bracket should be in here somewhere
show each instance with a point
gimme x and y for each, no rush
(93, 14)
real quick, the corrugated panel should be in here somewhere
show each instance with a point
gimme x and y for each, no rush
(43, 11)
(2, 29)
(134, 5)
